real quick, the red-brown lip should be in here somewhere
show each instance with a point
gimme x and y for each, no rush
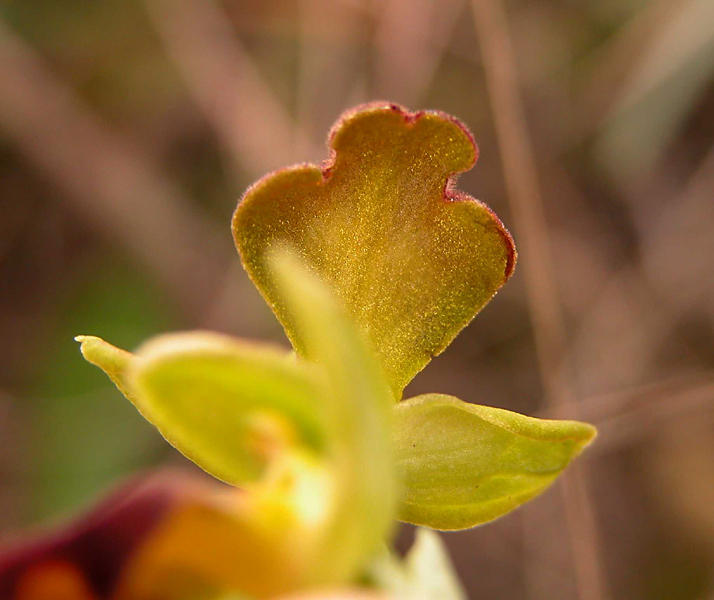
(98, 544)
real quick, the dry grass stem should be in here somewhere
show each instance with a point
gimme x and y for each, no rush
(409, 51)
(614, 62)
(108, 180)
(524, 194)
(226, 84)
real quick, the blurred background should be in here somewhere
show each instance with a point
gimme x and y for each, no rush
(129, 129)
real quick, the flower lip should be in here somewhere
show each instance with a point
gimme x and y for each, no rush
(98, 543)
(409, 117)
(450, 190)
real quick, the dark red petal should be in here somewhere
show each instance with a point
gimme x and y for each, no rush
(99, 543)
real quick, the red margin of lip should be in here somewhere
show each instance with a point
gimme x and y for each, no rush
(450, 193)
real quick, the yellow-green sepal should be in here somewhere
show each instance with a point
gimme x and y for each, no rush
(226, 404)
(310, 441)
(464, 464)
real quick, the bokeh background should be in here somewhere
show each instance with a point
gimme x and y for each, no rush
(129, 129)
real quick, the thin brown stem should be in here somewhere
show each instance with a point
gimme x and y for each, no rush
(548, 324)
(631, 426)
(613, 63)
(105, 178)
(411, 39)
(331, 67)
(225, 83)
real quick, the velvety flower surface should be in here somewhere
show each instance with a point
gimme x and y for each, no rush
(412, 259)
(308, 444)
(373, 262)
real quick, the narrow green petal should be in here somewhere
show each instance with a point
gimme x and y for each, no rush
(312, 441)
(359, 423)
(465, 464)
(227, 405)
(110, 359)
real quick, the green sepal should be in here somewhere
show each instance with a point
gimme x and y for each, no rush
(311, 441)
(464, 464)
(110, 359)
(226, 404)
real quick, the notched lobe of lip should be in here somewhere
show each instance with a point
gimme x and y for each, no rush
(325, 169)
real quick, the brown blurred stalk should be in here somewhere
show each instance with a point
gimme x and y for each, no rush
(549, 329)
(106, 179)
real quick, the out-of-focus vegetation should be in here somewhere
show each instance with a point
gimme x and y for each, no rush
(129, 129)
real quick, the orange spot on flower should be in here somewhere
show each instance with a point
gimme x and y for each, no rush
(53, 580)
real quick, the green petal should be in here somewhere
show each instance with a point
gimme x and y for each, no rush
(426, 573)
(429, 569)
(465, 464)
(226, 404)
(110, 359)
(410, 257)
(359, 424)
(314, 441)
